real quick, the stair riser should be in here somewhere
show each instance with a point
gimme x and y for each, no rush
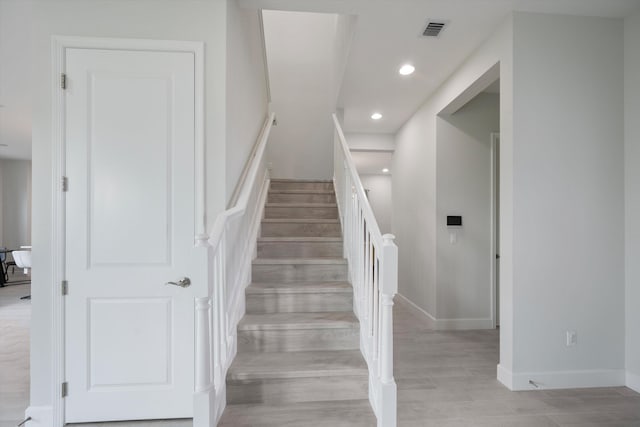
(301, 185)
(299, 303)
(299, 272)
(301, 198)
(301, 212)
(299, 340)
(271, 229)
(298, 390)
(299, 249)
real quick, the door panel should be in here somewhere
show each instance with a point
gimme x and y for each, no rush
(123, 138)
(129, 230)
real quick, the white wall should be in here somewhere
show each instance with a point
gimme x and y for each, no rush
(415, 214)
(15, 199)
(300, 55)
(15, 79)
(246, 90)
(153, 19)
(568, 200)
(379, 187)
(632, 186)
(463, 187)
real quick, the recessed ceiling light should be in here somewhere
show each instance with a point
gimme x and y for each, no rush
(406, 69)
(376, 116)
(385, 170)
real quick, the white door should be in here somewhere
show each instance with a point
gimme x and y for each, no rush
(129, 230)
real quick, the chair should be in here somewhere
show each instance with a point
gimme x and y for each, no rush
(22, 260)
(5, 265)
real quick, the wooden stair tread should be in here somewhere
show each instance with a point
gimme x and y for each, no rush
(337, 413)
(301, 191)
(301, 364)
(302, 181)
(290, 321)
(263, 288)
(300, 261)
(301, 205)
(303, 220)
(304, 239)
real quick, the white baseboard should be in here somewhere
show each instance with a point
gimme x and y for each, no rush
(633, 381)
(561, 379)
(463, 324)
(446, 324)
(416, 310)
(41, 416)
(505, 377)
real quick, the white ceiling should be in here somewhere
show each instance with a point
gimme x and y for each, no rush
(387, 34)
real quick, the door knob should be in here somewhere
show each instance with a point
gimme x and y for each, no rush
(185, 282)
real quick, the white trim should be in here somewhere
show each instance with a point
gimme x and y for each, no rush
(633, 381)
(464, 324)
(58, 46)
(57, 249)
(446, 324)
(416, 310)
(41, 416)
(505, 377)
(263, 42)
(551, 380)
(494, 215)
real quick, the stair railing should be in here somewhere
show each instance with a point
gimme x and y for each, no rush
(373, 272)
(231, 245)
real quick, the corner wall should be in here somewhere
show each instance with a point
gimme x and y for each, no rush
(568, 201)
(632, 196)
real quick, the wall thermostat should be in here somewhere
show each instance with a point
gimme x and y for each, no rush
(454, 221)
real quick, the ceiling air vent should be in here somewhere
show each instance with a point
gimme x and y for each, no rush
(434, 28)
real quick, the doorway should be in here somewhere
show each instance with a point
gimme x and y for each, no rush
(130, 115)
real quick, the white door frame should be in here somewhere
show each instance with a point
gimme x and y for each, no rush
(495, 147)
(57, 250)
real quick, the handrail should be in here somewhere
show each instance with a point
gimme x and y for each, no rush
(373, 271)
(357, 183)
(243, 196)
(230, 247)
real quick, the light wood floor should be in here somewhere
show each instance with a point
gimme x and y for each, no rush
(445, 379)
(15, 315)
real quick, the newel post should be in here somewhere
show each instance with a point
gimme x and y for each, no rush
(203, 345)
(389, 287)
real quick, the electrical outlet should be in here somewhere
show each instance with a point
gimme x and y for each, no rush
(572, 338)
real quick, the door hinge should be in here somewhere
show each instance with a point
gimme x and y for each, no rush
(65, 287)
(63, 81)
(65, 183)
(65, 389)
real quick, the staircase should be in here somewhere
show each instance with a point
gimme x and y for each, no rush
(298, 361)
